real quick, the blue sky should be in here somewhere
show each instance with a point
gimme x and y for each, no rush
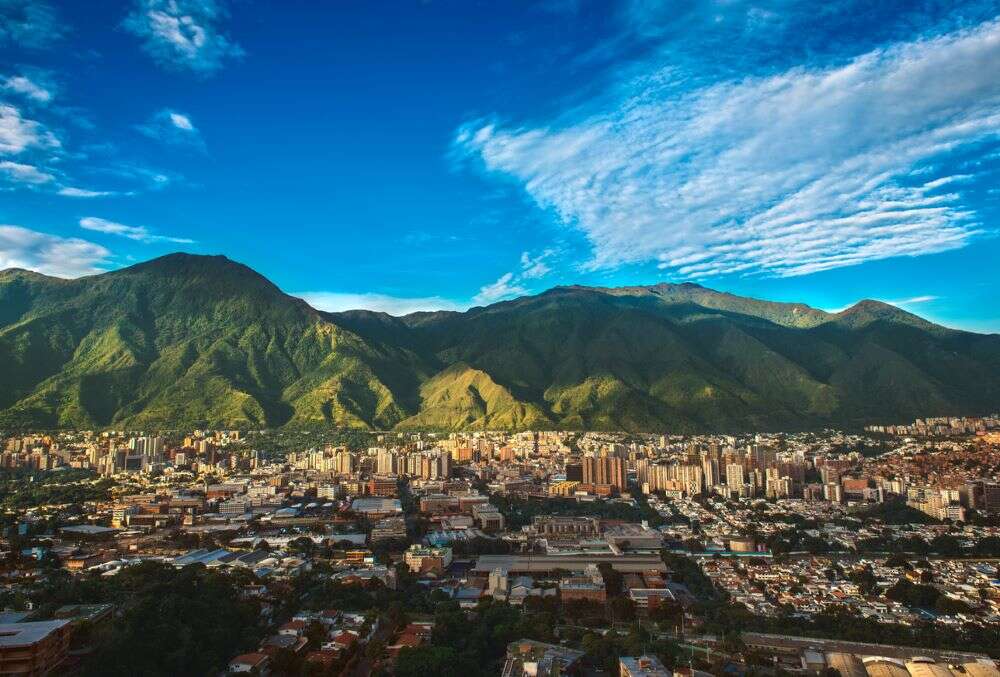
(437, 154)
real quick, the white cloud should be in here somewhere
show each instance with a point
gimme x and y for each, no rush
(71, 191)
(28, 88)
(181, 121)
(22, 173)
(534, 267)
(137, 233)
(798, 172)
(18, 133)
(504, 288)
(49, 254)
(914, 300)
(511, 284)
(183, 34)
(172, 127)
(394, 305)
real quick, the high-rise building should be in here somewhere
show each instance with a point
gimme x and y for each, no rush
(386, 462)
(691, 476)
(710, 470)
(344, 462)
(735, 476)
(604, 470)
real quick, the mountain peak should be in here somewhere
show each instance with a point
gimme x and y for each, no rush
(8, 273)
(867, 311)
(183, 264)
(202, 341)
(183, 259)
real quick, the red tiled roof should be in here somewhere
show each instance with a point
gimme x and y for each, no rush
(253, 659)
(345, 638)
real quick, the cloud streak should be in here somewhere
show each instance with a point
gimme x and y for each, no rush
(183, 34)
(137, 233)
(789, 174)
(505, 287)
(73, 191)
(32, 90)
(49, 254)
(16, 172)
(509, 285)
(913, 300)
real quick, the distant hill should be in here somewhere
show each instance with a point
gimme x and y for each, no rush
(187, 340)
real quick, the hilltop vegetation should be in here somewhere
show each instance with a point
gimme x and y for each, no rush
(186, 341)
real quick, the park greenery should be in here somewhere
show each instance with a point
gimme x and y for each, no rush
(520, 512)
(168, 621)
(22, 488)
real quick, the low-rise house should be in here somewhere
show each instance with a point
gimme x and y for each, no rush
(251, 663)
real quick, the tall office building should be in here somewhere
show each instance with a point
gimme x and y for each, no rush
(604, 470)
(735, 476)
(710, 470)
(386, 462)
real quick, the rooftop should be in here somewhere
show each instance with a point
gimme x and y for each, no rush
(644, 666)
(25, 634)
(375, 504)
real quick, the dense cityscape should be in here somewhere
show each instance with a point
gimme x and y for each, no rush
(533, 338)
(541, 553)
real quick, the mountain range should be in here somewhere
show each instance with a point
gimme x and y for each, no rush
(201, 341)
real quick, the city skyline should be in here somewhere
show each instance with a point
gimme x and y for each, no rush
(441, 156)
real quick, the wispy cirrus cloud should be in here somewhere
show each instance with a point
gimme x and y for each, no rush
(505, 287)
(787, 174)
(534, 267)
(39, 154)
(20, 173)
(34, 157)
(172, 127)
(914, 300)
(137, 233)
(149, 178)
(32, 89)
(183, 34)
(29, 23)
(901, 303)
(394, 305)
(49, 254)
(509, 285)
(73, 191)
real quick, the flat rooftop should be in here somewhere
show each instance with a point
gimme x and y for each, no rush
(375, 504)
(628, 563)
(13, 635)
(88, 529)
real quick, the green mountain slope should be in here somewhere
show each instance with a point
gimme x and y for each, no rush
(460, 398)
(186, 340)
(202, 341)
